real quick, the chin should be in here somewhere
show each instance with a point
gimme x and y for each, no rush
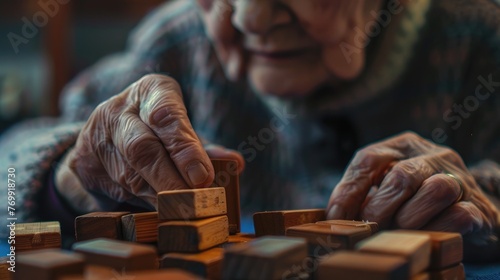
(286, 82)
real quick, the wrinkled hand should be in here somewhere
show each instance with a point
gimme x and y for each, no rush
(134, 145)
(402, 183)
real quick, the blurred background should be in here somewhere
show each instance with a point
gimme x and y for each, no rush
(45, 43)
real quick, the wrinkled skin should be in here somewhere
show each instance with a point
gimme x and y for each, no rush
(133, 146)
(244, 31)
(401, 183)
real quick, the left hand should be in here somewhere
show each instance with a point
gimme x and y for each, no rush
(405, 182)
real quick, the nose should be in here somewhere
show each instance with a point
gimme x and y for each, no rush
(259, 16)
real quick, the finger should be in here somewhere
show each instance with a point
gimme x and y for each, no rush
(163, 111)
(399, 185)
(463, 217)
(365, 170)
(219, 152)
(437, 193)
(140, 148)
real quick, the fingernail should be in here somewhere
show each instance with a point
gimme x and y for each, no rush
(335, 213)
(197, 173)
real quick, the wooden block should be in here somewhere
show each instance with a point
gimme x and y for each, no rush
(447, 248)
(226, 175)
(422, 276)
(191, 204)
(165, 274)
(192, 236)
(34, 236)
(118, 254)
(5, 274)
(373, 226)
(269, 257)
(452, 273)
(355, 265)
(415, 247)
(99, 224)
(240, 238)
(93, 272)
(207, 264)
(140, 227)
(277, 222)
(324, 238)
(47, 264)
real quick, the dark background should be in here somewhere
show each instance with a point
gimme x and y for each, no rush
(73, 38)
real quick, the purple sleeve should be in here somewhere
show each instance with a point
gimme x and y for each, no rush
(54, 208)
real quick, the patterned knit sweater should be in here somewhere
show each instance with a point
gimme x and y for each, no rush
(433, 69)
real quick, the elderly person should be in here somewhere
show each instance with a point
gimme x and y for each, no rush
(312, 98)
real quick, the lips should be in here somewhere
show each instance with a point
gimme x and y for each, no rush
(281, 54)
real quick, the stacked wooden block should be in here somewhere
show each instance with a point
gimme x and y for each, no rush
(399, 255)
(189, 229)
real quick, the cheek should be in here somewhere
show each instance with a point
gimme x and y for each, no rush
(326, 20)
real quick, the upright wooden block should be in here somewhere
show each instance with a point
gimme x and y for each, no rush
(415, 247)
(47, 264)
(323, 238)
(447, 248)
(118, 254)
(99, 224)
(191, 204)
(372, 225)
(192, 236)
(277, 222)
(455, 272)
(269, 257)
(140, 227)
(41, 235)
(226, 175)
(207, 264)
(346, 265)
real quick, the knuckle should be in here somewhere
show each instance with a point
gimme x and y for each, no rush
(138, 150)
(153, 82)
(443, 187)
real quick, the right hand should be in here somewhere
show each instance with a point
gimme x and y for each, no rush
(134, 145)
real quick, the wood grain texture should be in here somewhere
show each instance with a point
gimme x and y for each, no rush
(455, 272)
(226, 176)
(118, 254)
(99, 224)
(324, 238)
(47, 264)
(192, 236)
(140, 227)
(355, 265)
(269, 257)
(191, 204)
(372, 225)
(447, 248)
(207, 264)
(277, 222)
(35, 236)
(415, 247)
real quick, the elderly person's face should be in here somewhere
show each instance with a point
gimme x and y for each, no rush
(287, 47)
